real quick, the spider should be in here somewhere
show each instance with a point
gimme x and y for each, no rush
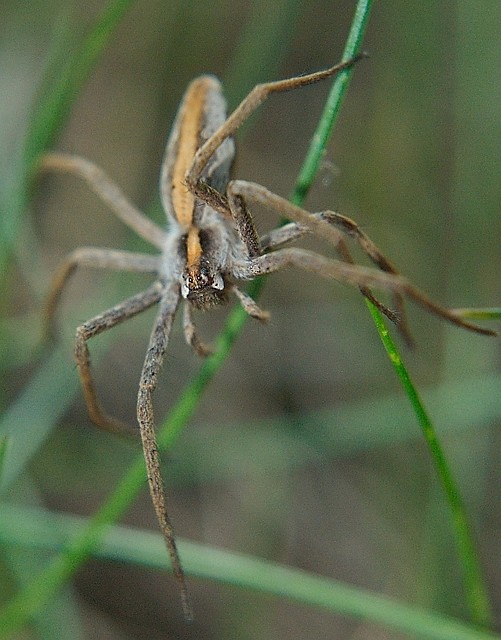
(209, 245)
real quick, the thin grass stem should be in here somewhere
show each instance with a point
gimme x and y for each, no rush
(476, 592)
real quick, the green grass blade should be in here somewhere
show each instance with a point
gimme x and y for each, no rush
(38, 529)
(50, 114)
(29, 420)
(4, 441)
(22, 561)
(54, 106)
(476, 592)
(314, 156)
(487, 313)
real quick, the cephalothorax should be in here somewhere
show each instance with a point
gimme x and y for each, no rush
(209, 245)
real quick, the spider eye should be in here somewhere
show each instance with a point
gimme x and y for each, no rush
(218, 282)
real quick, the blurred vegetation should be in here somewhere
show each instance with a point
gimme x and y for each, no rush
(303, 451)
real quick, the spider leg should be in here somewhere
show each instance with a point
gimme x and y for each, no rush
(294, 230)
(345, 272)
(108, 192)
(191, 334)
(289, 232)
(249, 305)
(238, 191)
(325, 225)
(96, 258)
(147, 385)
(93, 327)
(357, 275)
(352, 230)
(248, 105)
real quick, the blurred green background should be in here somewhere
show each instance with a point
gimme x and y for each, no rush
(303, 450)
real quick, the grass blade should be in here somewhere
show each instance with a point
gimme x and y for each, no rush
(50, 114)
(476, 592)
(42, 530)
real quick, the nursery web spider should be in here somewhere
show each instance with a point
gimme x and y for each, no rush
(210, 243)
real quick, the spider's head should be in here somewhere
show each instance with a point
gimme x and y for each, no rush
(202, 286)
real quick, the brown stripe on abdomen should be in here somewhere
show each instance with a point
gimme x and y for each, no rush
(190, 126)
